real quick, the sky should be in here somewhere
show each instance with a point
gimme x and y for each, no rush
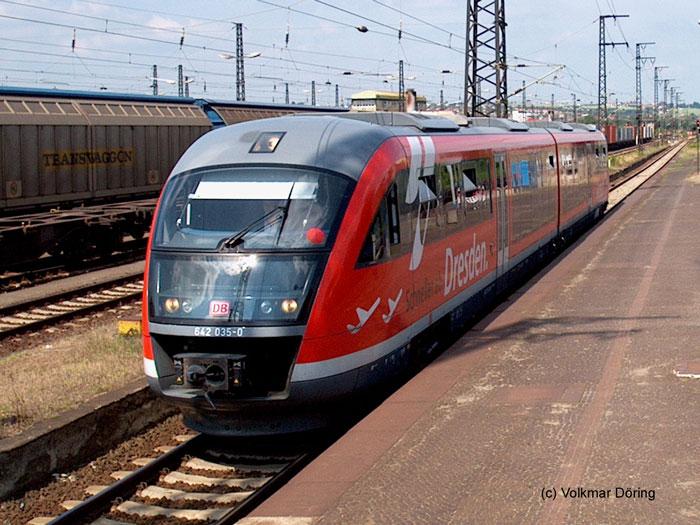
(112, 44)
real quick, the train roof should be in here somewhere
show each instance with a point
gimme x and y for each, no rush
(135, 97)
(341, 142)
(271, 105)
(91, 95)
(325, 142)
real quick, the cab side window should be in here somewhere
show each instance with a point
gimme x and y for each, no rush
(374, 249)
(384, 237)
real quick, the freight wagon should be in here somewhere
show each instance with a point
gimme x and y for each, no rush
(78, 169)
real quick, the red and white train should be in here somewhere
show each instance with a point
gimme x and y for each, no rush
(299, 260)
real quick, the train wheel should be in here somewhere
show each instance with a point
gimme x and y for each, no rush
(137, 231)
(105, 240)
(75, 245)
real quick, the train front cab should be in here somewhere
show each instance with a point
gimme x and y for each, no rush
(226, 312)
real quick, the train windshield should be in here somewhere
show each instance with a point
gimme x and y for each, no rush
(251, 208)
(232, 287)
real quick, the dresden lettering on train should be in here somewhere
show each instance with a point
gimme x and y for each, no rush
(462, 268)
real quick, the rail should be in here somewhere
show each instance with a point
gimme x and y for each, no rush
(38, 312)
(242, 483)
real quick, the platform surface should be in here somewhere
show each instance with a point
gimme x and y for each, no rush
(585, 378)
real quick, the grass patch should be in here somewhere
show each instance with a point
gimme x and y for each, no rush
(690, 151)
(43, 381)
(620, 162)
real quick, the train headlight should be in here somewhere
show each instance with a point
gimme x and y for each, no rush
(187, 306)
(289, 306)
(266, 307)
(172, 305)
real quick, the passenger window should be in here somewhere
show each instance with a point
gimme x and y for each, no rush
(427, 194)
(475, 183)
(392, 201)
(449, 188)
(501, 179)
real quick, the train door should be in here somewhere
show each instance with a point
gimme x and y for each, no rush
(502, 211)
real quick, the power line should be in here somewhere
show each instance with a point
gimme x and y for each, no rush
(107, 20)
(156, 40)
(418, 19)
(565, 37)
(399, 31)
(293, 10)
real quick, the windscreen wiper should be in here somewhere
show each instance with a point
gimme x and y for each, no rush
(285, 213)
(256, 225)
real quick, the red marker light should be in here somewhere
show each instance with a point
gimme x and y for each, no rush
(315, 236)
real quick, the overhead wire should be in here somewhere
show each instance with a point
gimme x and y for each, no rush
(184, 45)
(382, 24)
(411, 36)
(306, 67)
(164, 29)
(413, 17)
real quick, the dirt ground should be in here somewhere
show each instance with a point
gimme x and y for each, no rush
(46, 501)
(58, 368)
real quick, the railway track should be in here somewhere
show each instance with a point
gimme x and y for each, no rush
(49, 268)
(625, 185)
(630, 149)
(196, 480)
(619, 178)
(62, 305)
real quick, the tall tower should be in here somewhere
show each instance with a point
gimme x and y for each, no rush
(639, 62)
(402, 89)
(602, 69)
(180, 82)
(154, 85)
(240, 74)
(485, 73)
(657, 80)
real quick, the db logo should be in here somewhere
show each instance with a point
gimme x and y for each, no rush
(219, 308)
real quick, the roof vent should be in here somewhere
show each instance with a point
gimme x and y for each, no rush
(559, 126)
(583, 127)
(391, 118)
(502, 123)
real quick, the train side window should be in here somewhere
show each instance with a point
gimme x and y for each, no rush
(392, 202)
(551, 160)
(474, 192)
(448, 191)
(501, 178)
(427, 192)
(375, 248)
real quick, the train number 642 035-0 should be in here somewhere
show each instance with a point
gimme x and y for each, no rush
(219, 331)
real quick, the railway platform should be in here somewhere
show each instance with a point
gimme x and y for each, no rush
(575, 401)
